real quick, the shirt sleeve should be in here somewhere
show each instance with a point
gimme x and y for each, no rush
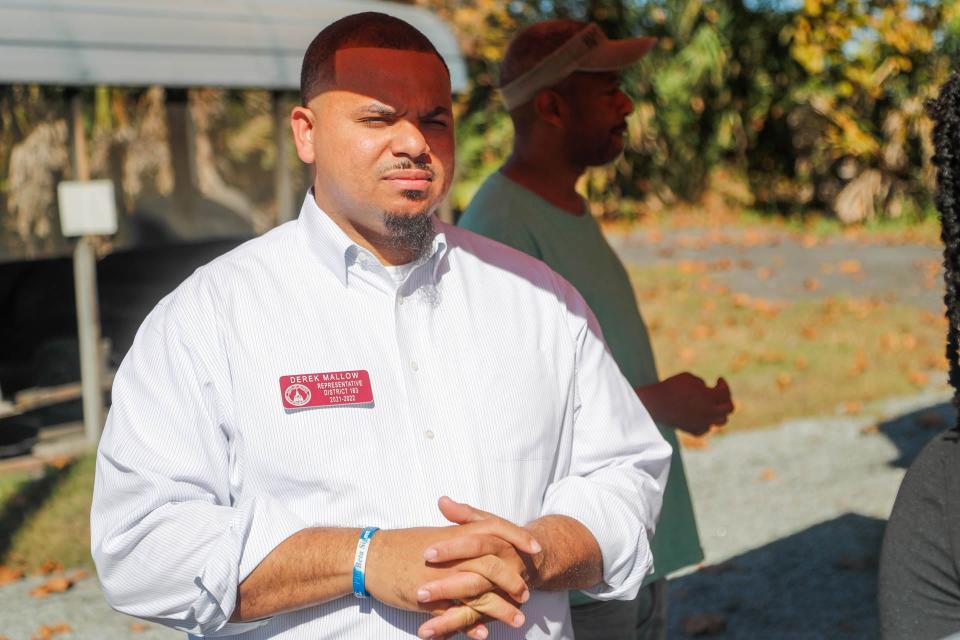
(619, 460)
(170, 539)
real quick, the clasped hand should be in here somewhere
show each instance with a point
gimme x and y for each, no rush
(477, 571)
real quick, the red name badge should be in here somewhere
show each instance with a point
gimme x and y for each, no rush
(325, 389)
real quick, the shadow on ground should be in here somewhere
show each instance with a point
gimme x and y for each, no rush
(29, 498)
(818, 583)
(911, 432)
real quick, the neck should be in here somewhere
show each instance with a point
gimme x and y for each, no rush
(549, 175)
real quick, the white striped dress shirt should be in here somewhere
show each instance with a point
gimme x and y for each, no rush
(490, 382)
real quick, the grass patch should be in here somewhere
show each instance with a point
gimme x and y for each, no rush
(47, 517)
(788, 359)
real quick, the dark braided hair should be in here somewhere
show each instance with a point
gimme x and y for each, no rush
(945, 112)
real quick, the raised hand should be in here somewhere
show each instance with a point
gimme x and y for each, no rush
(685, 402)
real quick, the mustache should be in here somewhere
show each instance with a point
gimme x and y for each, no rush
(404, 165)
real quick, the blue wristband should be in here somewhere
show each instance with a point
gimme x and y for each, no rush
(360, 562)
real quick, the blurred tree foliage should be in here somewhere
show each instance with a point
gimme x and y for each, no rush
(780, 105)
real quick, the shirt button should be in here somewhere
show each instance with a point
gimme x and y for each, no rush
(428, 434)
(400, 300)
(413, 365)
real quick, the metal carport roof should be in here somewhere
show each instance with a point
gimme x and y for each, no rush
(182, 43)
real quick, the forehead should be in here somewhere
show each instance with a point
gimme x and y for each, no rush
(389, 75)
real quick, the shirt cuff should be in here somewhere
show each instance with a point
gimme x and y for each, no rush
(615, 521)
(258, 527)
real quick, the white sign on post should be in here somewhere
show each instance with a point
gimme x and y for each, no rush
(87, 208)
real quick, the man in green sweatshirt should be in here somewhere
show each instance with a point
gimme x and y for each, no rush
(560, 81)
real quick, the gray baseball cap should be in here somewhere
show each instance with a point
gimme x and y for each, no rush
(587, 50)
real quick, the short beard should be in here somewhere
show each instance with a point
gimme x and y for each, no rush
(409, 234)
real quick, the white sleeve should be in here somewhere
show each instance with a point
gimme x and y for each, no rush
(170, 541)
(619, 461)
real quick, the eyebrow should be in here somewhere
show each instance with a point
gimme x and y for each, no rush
(437, 111)
(376, 108)
(380, 109)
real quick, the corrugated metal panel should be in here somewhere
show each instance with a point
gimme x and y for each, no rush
(254, 43)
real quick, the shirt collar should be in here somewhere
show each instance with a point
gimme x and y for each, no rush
(336, 251)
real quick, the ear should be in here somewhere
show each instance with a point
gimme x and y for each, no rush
(551, 107)
(303, 124)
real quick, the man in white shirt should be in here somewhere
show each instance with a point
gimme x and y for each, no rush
(347, 369)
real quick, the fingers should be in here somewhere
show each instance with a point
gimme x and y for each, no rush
(490, 569)
(490, 605)
(465, 547)
(487, 523)
(460, 513)
(464, 585)
(449, 622)
(478, 631)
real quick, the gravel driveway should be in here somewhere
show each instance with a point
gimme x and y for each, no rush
(791, 520)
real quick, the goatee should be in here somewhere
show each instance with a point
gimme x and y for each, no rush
(409, 234)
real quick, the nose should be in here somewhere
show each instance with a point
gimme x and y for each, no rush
(409, 140)
(626, 104)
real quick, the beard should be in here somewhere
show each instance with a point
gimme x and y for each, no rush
(410, 234)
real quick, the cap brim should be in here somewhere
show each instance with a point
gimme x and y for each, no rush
(614, 55)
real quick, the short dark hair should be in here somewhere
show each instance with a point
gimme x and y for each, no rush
(368, 29)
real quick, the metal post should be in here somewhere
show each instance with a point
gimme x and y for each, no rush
(85, 288)
(88, 327)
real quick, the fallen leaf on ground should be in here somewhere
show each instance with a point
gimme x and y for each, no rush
(852, 407)
(870, 429)
(801, 363)
(809, 332)
(741, 360)
(688, 441)
(784, 380)
(53, 585)
(8, 575)
(692, 266)
(859, 364)
(764, 273)
(49, 566)
(850, 267)
(702, 331)
(60, 462)
(811, 284)
(705, 624)
(79, 574)
(138, 627)
(768, 474)
(47, 631)
(918, 378)
(809, 241)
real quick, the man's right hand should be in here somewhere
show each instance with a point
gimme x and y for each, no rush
(396, 569)
(685, 402)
